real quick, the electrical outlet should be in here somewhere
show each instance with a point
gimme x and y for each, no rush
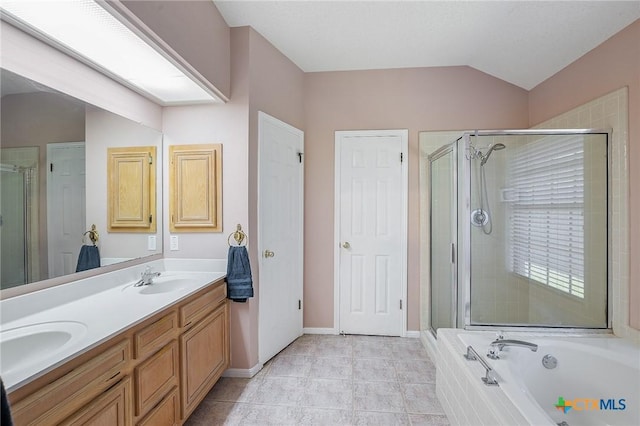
(151, 242)
(173, 245)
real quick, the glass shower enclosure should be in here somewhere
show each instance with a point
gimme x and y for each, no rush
(15, 220)
(519, 230)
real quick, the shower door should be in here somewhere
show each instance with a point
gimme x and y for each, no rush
(13, 226)
(443, 231)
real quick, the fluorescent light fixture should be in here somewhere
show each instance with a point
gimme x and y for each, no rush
(89, 32)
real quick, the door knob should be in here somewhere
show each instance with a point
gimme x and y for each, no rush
(346, 245)
(269, 253)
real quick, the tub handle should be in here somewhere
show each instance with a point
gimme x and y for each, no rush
(489, 378)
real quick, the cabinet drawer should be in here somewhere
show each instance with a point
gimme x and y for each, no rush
(111, 408)
(64, 396)
(166, 413)
(156, 335)
(194, 311)
(155, 377)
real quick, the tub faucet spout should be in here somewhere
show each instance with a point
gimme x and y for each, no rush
(497, 345)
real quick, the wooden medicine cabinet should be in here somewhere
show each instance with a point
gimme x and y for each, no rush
(131, 189)
(195, 188)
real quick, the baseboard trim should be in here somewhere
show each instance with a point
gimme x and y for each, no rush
(314, 330)
(244, 373)
(413, 334)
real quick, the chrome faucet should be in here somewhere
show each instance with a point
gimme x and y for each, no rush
(497, 345)
(147, 277)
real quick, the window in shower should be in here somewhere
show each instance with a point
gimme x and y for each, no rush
(537, 221)
(546, 223)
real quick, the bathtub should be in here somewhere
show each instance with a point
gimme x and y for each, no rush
(598, 376)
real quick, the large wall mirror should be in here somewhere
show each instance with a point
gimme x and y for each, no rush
(53, 186)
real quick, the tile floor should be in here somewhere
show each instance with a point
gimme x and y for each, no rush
(331, 380)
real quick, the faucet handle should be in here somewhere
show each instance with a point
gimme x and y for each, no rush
(499, 335)
(493, 352)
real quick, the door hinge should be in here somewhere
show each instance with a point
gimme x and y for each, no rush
(300, 154)
(150, 159)
(150, 218)
(51, 167)
(299, 304)
(400, 304)
(401, 157)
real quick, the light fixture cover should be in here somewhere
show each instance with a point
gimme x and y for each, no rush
(89, 31)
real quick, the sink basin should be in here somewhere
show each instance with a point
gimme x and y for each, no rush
(165, 284)
(21, 347)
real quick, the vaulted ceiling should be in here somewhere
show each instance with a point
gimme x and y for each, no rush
(522, 42)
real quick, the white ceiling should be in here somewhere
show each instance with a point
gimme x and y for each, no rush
(522, 42)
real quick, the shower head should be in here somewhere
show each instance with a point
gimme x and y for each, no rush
(494, 147)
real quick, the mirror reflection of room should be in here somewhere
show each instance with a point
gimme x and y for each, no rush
(49, 201)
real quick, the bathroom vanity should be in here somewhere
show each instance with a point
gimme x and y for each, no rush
(153, 371)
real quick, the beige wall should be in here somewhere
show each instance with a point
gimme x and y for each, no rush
(610, 66)
(36, 119)
(107, 130)
(194, 29)
(263, 80)
(415, 99)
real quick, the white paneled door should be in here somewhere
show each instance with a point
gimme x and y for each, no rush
(371, 232)
(66, 205)
(280, 234)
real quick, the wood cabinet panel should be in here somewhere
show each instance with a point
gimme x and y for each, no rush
(202, 306)
(166, 413)
(156, 376)
(155, 336)
(205, 356)
(195, 188)
(131, 189)
(113, 408)
(64, 396)
(180, 354)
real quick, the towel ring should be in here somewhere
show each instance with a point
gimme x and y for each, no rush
(239, 236)
(93, 235)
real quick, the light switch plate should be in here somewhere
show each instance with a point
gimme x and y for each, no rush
(173, 244)
(151, 242)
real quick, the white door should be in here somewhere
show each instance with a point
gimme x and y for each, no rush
(280, 234)
(66, 207)
(371, 232)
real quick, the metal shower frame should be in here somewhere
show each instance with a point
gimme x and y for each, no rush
(461, 267)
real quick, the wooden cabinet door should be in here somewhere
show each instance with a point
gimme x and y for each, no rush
(131, 191)
(155, 377)
(166, 413)
(205, 356)
(113, 408)
(195, 188)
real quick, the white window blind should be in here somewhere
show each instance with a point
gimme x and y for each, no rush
(546, 226)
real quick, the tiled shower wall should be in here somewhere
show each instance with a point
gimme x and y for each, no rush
(611, 111)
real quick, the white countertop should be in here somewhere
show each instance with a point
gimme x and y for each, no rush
(97, 308)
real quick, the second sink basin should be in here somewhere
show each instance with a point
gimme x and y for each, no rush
(167, 284)
(21, 347)
(164, 284)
